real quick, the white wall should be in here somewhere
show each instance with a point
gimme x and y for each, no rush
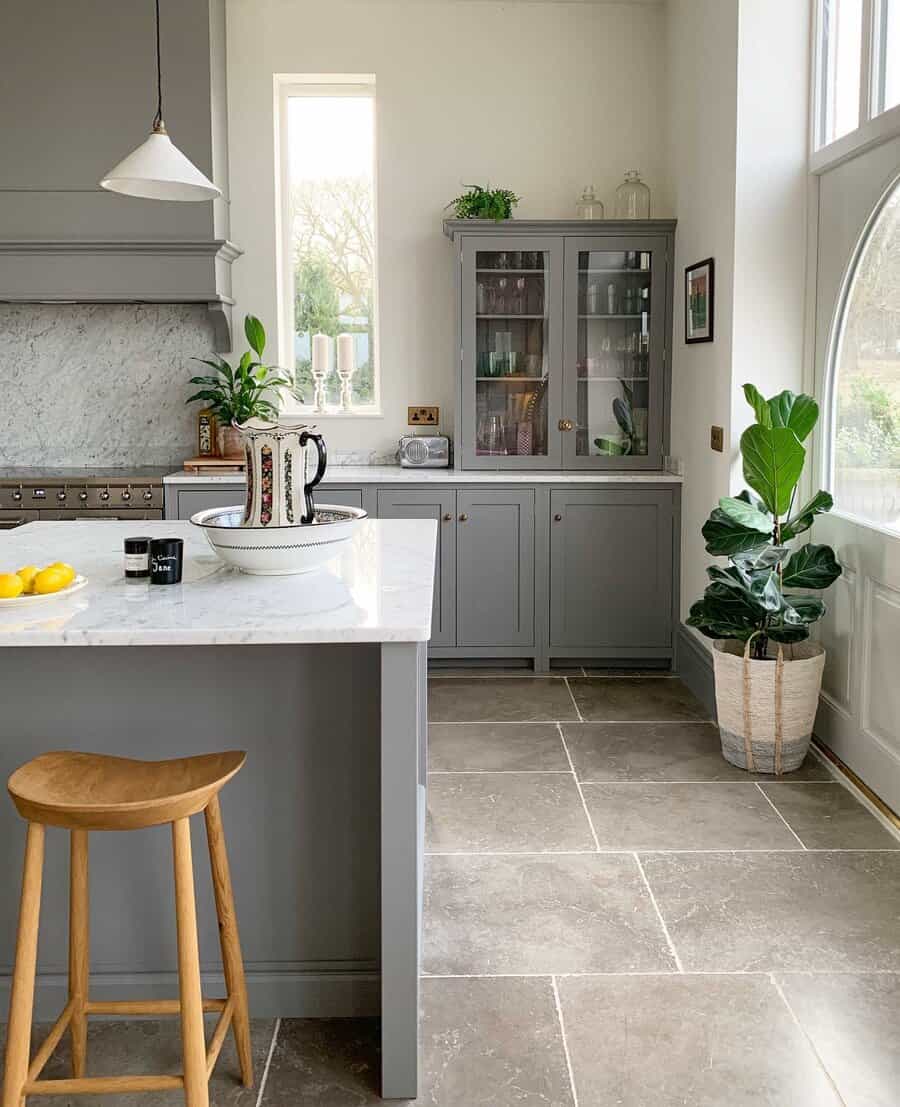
(738, 108)
(702, 43)
(537, 97)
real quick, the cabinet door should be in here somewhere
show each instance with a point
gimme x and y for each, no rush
(510, 313)
(616, 311)
(611, 569)
(339, 497)
(495, 568)
(191, 500)
(439, 504)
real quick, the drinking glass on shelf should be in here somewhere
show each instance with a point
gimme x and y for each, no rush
(503, 260)
(495, 436)
(491, 299)
(501, 295)
(518, 305)
(480, 298)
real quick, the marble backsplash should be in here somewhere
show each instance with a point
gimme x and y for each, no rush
(84, 384)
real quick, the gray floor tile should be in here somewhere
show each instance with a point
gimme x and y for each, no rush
(635, 699)
(134, 1046)
(492, 1043)
(325, 1063)
(507, 812)
(854, 1024)
(650, 816)
(660, 751)
(575, 913)
(499, 699)
(829, 816)
(780, 911)
(702, 1041)
(499, 671)
(480, 747)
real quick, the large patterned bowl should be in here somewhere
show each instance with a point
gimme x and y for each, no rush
(278, 551)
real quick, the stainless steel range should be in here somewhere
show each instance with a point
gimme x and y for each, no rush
(28, 494)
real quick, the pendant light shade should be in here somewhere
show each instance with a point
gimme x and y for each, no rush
(157, 169)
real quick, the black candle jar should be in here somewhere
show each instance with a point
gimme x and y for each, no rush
(166, 558)
(137, 557)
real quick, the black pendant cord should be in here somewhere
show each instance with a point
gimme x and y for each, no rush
(158, 124)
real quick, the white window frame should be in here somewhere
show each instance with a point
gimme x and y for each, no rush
(286, 86)
(875, 126)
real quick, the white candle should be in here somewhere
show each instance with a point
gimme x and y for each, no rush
(346, 353)
(321, 353)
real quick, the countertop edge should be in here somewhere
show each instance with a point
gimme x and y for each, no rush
(379, 474)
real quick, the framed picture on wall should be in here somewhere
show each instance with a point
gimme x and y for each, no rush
(699, 302)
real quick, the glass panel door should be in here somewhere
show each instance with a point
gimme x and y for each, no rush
(512, 338)
(615, 303)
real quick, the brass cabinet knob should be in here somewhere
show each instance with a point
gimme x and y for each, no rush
(566, 425)
(448, 517)
(463, 517)
(557, 518)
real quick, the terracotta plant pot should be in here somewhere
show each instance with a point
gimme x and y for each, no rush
(231, 444)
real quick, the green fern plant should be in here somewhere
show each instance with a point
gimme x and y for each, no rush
(484, 203)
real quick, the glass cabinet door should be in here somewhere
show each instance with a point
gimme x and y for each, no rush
(511, 352)
(615, 327)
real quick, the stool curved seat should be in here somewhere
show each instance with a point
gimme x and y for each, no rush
(91, 791)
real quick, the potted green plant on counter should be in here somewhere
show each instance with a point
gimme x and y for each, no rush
(236, 394)
(760, 607)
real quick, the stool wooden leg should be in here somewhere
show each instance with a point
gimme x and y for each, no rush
(193, 1040)
(232, 960)
(21, 1004)
(79, 946)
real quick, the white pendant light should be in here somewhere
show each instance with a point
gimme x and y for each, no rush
(157, 169)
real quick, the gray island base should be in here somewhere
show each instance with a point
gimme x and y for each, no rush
(325, 823)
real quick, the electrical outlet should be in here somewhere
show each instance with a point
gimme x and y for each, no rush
(423, 416)
(716, 439)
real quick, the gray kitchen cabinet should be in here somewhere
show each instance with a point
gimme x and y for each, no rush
(494, 568)
(182, 503)
(185, 502)
(612, 557)
(563, 332)
(435, 503)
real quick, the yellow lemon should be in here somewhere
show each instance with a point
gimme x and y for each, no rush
(10, 586)
(65, 569)
(50, 579)
(26, 575)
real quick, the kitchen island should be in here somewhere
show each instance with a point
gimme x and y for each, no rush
(322, 679)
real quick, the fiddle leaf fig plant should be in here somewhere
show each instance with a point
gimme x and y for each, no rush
(754, 598)
(246, 390)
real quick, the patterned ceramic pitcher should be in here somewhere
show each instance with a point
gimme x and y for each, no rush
(278, 493)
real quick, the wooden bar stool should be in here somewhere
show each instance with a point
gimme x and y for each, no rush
(83, 792)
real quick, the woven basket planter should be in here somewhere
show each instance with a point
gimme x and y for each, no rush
(767, 708)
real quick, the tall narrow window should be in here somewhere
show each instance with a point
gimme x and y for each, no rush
(841, 36)
(327, 152)
(865, 377)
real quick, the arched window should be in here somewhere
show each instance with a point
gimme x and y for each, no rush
(864, 391)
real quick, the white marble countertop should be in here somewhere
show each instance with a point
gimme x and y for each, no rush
(378, 590)
(395, 474)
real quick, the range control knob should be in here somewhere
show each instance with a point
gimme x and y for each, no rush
(17, 495)
(126, 495)
(82, 495)
(104, 495)
(148, 495)
(61, 496)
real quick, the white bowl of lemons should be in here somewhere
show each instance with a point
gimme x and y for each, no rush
(32, 585)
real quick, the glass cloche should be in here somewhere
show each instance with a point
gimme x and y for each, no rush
(632, 197)
(589, 207)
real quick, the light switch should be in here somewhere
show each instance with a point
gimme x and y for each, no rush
(716, 439)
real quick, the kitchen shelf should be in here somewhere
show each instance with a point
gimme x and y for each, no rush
(521, 272)
(635, 272)
(513, 377)
(608, 379)
(511, 315)
(603, 315)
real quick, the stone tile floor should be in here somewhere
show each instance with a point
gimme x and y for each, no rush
(614, 916)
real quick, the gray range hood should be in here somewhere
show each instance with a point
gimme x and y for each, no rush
(63, 239)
